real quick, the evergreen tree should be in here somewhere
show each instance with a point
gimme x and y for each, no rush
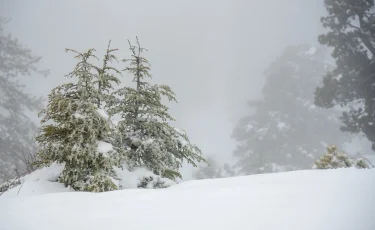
(16, 129)
(76, 130)
(150, 141)
(351, 34)
(285, 131)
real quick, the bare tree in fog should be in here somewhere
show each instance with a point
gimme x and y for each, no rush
(287, 131)
(16, 130)
(351, 84)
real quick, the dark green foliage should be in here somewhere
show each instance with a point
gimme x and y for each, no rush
(351, 34)
(145, 133)
(74, 127)
(152, 182)
(100, 183)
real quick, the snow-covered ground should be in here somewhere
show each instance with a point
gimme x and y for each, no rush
(341, 199)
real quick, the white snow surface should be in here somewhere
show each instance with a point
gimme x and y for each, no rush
(104, 147)
(42, 181)
(79, 116)
(131, 179)
(103, 114)
(341, 199)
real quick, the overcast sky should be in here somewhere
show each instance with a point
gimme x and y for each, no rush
(211, 52)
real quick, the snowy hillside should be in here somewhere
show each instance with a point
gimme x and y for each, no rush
(310, 200)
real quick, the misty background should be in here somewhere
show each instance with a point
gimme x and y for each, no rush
(212, 53)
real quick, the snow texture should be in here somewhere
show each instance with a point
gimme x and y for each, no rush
(44, 181)
(79, 116)
(104, 147)
(103, 114)
(131, 179)
(309, 200)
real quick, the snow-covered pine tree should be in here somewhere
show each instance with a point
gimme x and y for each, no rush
(76, 130)
(16, 129)
(286, 131)
(150, 141)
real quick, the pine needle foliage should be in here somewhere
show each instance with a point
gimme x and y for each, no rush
(73, 126)
(145, 132)
(333, 159)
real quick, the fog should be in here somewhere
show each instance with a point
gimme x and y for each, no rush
(212, 53)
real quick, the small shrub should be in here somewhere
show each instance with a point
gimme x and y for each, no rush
(333, 159)
(362, 163)
(151, 182)
(9, 184)
(100, 183)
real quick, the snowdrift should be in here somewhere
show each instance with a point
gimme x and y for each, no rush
(341, 199)
(44, 181)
